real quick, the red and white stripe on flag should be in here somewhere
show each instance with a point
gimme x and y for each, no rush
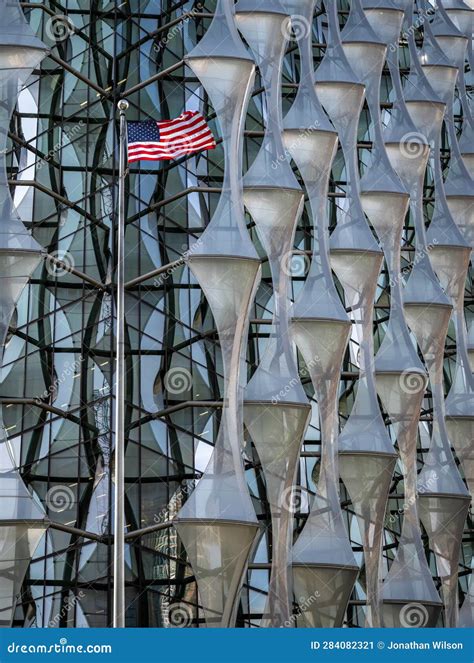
(169, 139)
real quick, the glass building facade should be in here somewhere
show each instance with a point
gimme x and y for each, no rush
(57, 372)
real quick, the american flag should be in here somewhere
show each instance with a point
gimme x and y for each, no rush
(169, 139)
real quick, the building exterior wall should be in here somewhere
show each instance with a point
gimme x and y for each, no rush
(57, 372)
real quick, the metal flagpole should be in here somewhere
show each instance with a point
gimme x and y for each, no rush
(119, 500)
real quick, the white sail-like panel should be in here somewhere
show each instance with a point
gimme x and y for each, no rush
(276, 410)
(323, 562)
(20, 52)
(22, 523)
(218, 524)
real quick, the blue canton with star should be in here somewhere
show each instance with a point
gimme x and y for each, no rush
(143, 132)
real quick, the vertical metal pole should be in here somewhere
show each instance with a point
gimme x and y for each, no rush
(119, 499)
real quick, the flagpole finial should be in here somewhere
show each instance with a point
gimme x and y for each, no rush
(123, 105)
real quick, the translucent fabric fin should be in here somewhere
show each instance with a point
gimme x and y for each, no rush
(320, 328)
(218, 524)
(23, 521)
(276, 410)
(20, 52)
(22, 524)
